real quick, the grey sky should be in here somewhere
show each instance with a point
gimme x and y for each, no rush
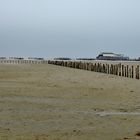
(72, 28)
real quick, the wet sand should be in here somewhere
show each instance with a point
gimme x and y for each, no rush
(48, 102)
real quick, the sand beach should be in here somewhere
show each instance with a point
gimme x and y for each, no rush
(48, 102)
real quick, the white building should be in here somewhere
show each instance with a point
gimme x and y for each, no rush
(111, 56)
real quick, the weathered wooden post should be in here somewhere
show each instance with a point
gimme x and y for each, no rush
(95, 67)
(92, 67)
(84, 66)
(65, 63)
(108, 69)
(119, 69)
(87, 66)
(137, 72)
(111, 69)
(62, 63)
(122, 70)
(132, 74)
(68, 63)
(129, 74)
(59, 63)
(80, 65)
(73, 64)
(116, 69)
(76, 65)
(90, 64)
(103, 68)
(98, 67)
(127, 70)
(49, 62)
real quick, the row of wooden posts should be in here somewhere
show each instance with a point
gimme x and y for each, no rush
(129, 71)
(24, 61)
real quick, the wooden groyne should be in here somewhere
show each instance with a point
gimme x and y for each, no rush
(120, 69)
(23, 61)
(124, 70)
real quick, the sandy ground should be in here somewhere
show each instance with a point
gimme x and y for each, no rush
(47, 102)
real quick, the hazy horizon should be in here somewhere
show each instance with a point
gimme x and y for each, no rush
(69, 28)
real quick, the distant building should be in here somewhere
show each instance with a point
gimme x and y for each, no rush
(62, 58)
(16, 58)
(85, 58)
(111, 56)
(35, 58)
(3, 58)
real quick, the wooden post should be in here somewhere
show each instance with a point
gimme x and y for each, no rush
(129, 75)
(116, 71)
(81, 65)
(103, 68)
(127, 70)
(95, 67)
(137, 72)
(132, 74)
(77, 65)
(108, 69)
(122, 70)
(62, 63)
(98, 67)
(111, 69)
(73, 64)
(65, 63)
(89, 66)
(92, 67)
(84, 66)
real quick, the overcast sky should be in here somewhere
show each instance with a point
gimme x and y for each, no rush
(69, 28)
